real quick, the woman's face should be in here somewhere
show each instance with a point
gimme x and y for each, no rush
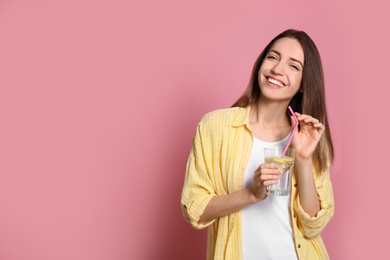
(280, 74)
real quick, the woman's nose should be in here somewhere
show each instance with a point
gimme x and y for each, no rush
(278, 68)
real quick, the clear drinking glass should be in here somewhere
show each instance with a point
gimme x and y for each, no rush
(274, 156)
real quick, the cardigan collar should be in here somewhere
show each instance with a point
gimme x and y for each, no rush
(242, 117)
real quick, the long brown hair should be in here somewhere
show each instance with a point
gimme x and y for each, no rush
(310, 102)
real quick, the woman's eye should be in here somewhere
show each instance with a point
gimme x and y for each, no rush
(295, 67)
(271, 57)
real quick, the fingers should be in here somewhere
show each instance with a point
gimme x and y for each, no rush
(265, 175)
(320, 126)
(266, 172)
(270, 182)
(266, 168)
(292, 121)
(310, 121)
(267, 179)
(271, 177)
(306, 118)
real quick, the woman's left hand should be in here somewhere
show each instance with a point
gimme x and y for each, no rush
(305, 141)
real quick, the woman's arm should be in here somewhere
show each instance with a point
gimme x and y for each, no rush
(313, 226)
(223, 205)
(219, 206)
(314, 205)
(307, 189)
(305, 141)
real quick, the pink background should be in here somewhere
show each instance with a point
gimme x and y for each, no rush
(100, 100)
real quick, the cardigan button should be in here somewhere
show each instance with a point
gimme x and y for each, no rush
(299, 246)
(294, 215)
(295, 185)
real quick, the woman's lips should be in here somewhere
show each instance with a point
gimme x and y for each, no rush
(272, 85)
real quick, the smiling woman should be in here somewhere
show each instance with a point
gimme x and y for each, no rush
(312, 102)
(281, 71)
(227, 177)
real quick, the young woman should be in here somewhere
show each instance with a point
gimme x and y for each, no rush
(226, 177)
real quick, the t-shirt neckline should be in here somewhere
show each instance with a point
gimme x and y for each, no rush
(276, 142)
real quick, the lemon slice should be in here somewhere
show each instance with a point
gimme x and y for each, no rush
(288, 159)
(278, 160)
(281, 160)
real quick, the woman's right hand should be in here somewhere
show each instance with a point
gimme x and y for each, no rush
(265, 175)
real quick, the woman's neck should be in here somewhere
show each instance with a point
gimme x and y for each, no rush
(269, 114)
(268, 121)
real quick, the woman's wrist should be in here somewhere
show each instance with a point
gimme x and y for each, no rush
(304, 166)
(252, 195)
(302, 160)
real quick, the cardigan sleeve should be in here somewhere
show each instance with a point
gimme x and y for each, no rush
(313, 226)
(198, 187)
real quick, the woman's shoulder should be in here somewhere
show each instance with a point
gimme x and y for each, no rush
(222, 117)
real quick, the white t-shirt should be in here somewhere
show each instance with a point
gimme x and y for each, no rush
(267, 228)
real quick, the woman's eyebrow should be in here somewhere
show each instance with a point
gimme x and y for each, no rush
(291, 58)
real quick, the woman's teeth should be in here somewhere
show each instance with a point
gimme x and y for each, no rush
(275, 82)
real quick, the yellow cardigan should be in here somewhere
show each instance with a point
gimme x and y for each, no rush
(216, 165)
